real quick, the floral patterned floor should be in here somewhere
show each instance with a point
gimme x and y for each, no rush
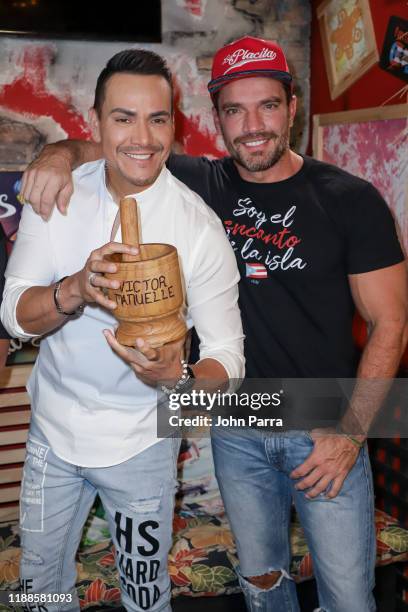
(203, 556)
(201, 561)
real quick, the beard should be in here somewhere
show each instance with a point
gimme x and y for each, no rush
(258, 161)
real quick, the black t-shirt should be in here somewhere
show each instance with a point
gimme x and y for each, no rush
(296, 241)
(3, 262)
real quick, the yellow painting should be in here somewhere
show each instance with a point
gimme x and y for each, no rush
(348, 41)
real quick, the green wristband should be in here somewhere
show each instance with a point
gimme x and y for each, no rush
(354, 441)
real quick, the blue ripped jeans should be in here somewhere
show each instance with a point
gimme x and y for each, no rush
(138, 497)
(252, 469)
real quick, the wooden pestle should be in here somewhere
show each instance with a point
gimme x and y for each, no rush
(130, 227)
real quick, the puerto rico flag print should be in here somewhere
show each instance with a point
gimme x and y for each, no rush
(256, 270)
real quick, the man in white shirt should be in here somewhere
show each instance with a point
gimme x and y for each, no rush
(4, 338)
(93, 426)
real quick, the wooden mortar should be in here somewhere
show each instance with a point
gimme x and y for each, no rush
(150, 295)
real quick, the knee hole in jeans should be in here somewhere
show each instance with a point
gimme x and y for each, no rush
(266, 581)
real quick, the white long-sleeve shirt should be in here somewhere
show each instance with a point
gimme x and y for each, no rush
(89, 404)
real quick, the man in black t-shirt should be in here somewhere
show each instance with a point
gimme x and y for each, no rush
(312, 243)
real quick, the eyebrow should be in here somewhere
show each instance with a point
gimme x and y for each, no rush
(162, 113)
(124, 111)
(129, 113)
(239, 105)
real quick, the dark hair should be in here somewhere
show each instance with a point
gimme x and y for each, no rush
(288, 87)
(131, 61)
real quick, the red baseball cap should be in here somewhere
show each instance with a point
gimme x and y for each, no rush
(248, 57)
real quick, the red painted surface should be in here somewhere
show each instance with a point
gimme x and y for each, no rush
(194, 7)
(28, 94)
(193, 140)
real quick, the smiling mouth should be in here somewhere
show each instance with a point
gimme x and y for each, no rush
(139, 156)
(255, 143)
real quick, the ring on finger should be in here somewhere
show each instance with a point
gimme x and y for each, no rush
(21, 199)
(91, 276)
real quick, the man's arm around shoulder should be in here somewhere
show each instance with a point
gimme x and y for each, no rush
(48, 179)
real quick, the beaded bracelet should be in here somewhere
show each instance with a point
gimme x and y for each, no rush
(186, 375)
(58, 306)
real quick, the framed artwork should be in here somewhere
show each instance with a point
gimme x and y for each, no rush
(348, 40)
(371, 143)
(394, 55)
